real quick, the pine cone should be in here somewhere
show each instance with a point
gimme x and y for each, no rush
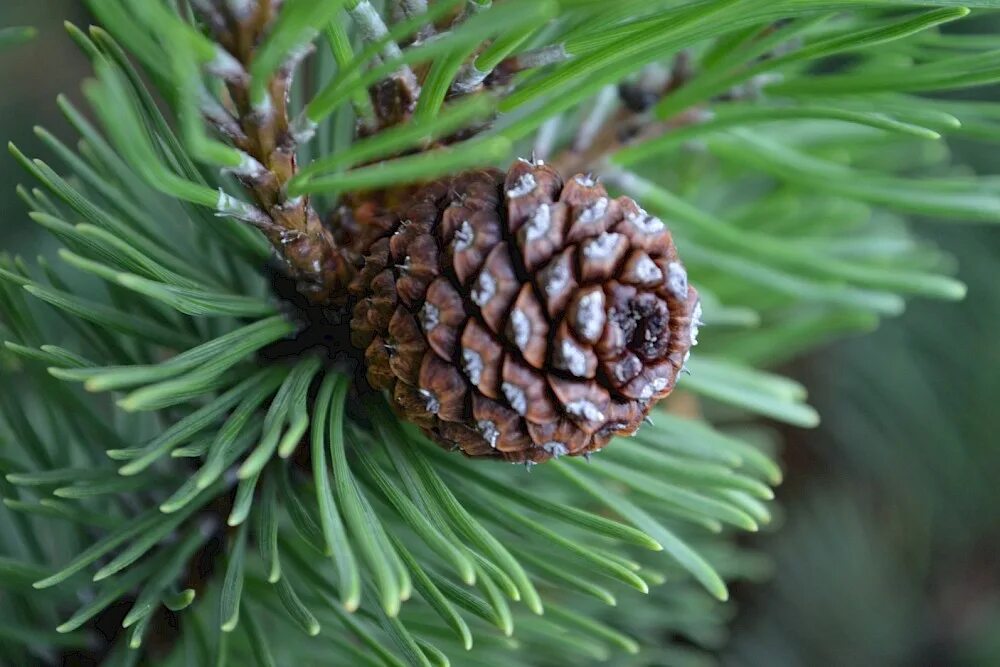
(520, 317)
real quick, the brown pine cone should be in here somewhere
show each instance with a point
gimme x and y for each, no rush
(516, 316)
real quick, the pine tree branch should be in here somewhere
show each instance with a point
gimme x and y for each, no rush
(260, 129)
(607, 129)
(797, 288)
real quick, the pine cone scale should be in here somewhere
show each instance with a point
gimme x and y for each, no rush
(517, 316)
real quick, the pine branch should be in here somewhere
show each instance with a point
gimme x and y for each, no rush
(268, 149)
(242, 407)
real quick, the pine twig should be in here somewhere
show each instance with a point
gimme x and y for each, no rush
(607, 129)
(396, 96)
(261, 130)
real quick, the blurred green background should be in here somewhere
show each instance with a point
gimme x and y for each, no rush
(31, 75)
(890, 549)
(889, 553)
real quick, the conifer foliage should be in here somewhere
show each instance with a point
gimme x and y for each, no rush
(195, 470)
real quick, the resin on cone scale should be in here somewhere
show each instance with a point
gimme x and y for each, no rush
(520, 316)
